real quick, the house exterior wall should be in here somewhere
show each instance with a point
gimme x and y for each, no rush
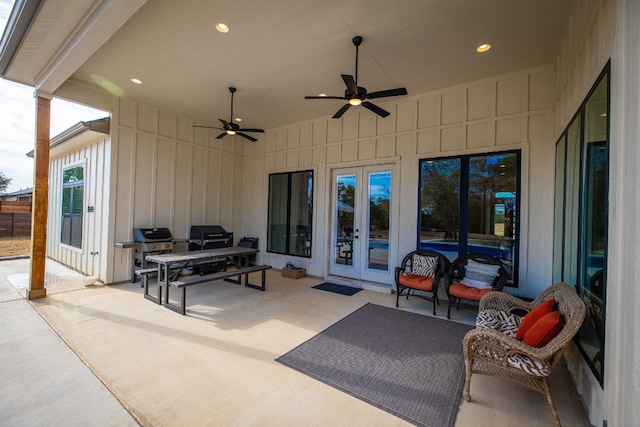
(502, 113)
(169, 174)
(599, 30)
(91, 259)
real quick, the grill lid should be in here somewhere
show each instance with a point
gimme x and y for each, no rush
(207, 231)
(146, 235)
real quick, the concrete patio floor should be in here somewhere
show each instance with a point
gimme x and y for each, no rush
(96, 355)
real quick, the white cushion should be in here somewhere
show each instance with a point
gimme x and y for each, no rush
(480, 275)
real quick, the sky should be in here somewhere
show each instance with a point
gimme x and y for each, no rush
(17, 122)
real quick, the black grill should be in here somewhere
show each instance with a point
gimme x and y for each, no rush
(210, 237)
(149, 241)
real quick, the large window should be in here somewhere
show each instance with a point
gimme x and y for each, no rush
(581, 200)
(469, 204)
(72, 206)
(290, 213)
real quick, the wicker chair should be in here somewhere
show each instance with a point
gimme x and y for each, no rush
(491, 352)
(407, 282)
(458, 293)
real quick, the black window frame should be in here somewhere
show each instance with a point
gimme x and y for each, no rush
(463, 221)
(560, 252)
(71, 227)
(288, 236)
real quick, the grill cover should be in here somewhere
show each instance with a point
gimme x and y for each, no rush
(207, 232)
(147, 235)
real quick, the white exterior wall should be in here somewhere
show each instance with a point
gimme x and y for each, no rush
(599, 30)
(91, 259)
(503, 113)
(169, 174)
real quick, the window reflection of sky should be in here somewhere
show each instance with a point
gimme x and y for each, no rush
(379, 184)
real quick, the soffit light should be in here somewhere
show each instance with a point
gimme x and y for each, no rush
(136, 81)
(483, 48)
(223, 28)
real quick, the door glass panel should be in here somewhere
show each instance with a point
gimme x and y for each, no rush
(345, 205)
(492, 207)
(379, 219)
(440, 206)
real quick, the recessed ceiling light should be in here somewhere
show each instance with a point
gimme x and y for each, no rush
(136, 81)
(238, 119)
(222, 28)
(483, 48)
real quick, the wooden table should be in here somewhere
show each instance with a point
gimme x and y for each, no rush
(167, 262)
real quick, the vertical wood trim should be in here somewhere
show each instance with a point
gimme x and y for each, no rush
(40, 199)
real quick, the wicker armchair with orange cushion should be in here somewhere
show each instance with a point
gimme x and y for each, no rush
(523, 349)
(472, 276)
(419, 275)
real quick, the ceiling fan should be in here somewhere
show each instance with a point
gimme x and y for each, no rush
(231, 128)
(357, 95)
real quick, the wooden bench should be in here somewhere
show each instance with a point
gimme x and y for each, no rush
(184, 283)
(144, 278)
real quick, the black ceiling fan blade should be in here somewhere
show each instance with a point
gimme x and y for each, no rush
(244, 135)
(324, 97)
(226, 124)
(384, 93)
(207, 127)
(341, 111)
(251, 130)
(379, 111)
(351, 83)
(222, 135)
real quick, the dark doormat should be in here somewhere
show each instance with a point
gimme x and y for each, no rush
(337, 289)
(404, 363)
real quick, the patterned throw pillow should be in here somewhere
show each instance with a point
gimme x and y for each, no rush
(499, 320)
(478, 275)
(424, 265)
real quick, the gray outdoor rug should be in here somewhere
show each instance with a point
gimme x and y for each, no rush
(407, 364)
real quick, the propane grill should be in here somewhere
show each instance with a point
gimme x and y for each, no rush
(149, 241)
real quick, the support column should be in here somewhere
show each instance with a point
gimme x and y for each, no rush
(40, 198)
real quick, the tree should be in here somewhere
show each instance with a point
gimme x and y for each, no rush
(4, 182)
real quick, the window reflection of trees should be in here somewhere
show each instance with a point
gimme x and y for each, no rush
(468, 204)
(440, 200)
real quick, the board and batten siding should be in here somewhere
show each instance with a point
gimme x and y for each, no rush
(91, 259)
(507, 112)
(586, 46)
(169, 174)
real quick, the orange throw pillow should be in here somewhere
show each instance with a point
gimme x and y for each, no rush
(533, 316)
(544, 330)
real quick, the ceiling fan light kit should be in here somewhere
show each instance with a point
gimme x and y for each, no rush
(357, 95)
(230, 128)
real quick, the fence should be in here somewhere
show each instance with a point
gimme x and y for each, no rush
(15, 219)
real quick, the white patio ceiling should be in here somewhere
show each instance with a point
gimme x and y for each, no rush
(279, 51)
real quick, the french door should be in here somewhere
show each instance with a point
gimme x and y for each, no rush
(361, 223)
